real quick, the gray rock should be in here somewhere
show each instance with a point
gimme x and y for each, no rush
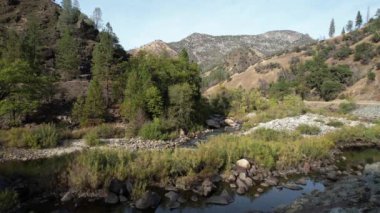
(173, 205)
(272, 181)
(181, 199)
(111, 198)
(148, 200)
(207, 187)
(372, 169)
(332, 176)
(213, 123)
(117, 187)
(123, 199)
(301, 181)
(68, 196)
(173, 196)
(240, 190)
(241, 184)
(243, 163)
(292, 186)
(171, 188)
(231, 178)
(194, 198)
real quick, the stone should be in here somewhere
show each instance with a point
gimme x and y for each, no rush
(292, 186)
(173, 205)
(230, 122)
(129, 187)
(181, 199)
(123, 199)
(332, 176)
(306, 168)
(171, 188)
(148, 200)
(213, 123)
(194, 198)
(243, 163)
(264, 185)
(207, 187)
(111, 198)
(233, 186)
(301, 181)
(117, 187)
(241, 184)
(240, 190)
(260, 190)
(231, 178)
(68, 196)
(372, 169)
(272, 181)
(173, 196)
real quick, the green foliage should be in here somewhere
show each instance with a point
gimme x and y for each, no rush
(8, 200)
(68, 16)
(153, 101)
(343, 53)
(347, 107)
(94, 109)
(332, 28)
(155, 130)
(182, 106)
(364, 52)
(376, 37)
(359, 20)
(43, 136)
(92, 138)
(335, 123)
(280, 89)
(330, 90)
(216, 76)
(67, 58)
(308, 130)
(371, 76)
(23, 90)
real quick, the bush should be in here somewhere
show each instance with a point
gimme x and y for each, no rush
(364, 52)
(376, 37)
(347, 107)
(343, 53)
(330, 90)
(8, 199)
(371, 76)
(43, 136)
(109, 131)
(154, 130)
(92, 138)
(335, 123)
(308, 130)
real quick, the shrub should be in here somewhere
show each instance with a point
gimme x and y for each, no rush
(109, 131)
(335, 123)
(92, 138)
(371, 76)
(364, 52)
(347, 106)
(330, 89)
(308, 130)
(376, 37)
(8, 199)
(154, 130)
(343, 53)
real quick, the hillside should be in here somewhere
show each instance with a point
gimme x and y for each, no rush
(340, 50)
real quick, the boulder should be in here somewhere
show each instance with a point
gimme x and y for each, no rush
(68, 196)
(230, 122)
(207, 187)
(301, 181)
(272, 181)
(148, 200)
(111, 198)
(372, 169)
(241, 184)
(194, 198)
(243, 163)
(117, 187)
(332, 176)
(123, 199)
(240, 190)
(213, 123)
(292, 186)
(173, 196)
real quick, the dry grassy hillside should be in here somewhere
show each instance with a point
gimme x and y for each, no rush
(268, 71)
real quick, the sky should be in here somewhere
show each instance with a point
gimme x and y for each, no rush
(138, 22)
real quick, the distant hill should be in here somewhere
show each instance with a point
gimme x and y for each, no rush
(340, 50)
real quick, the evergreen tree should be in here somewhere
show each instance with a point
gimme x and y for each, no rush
(94, 110)
(97, 17)
(359, 20)
(349, 26)
(67, 56)
(343, 31)
(13, 47)
(102, 57)
(332, 28)
(31, 46)
(66, 18)
(182, 105)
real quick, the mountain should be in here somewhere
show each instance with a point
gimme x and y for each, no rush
(157, 47)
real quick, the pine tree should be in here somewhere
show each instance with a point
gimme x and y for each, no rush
(102, 57)
(97, 17)
(332, 28)
(13, 47)
(94, 110)
(343, 31)
(359, 20)
(31, 45)
(66, 17)
(349, 26)
(67, 56)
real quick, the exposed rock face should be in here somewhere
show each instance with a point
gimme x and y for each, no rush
(211, 51)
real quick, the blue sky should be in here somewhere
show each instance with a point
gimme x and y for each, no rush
(137, 22)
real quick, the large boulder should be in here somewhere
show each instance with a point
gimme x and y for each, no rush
(372, 169)
(173, 196)
(213, 123)
(207, 187)
(223, 199)
(148, 200)
(111, 198)
(243, 163)
(117, 187)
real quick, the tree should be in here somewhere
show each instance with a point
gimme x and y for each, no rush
(23, 90)
(102, 58)
(332, 28)
(359, 20)
(182, 104)
(330, 90)
(94, 110)
(343, 31)
(67, 56)
(97, 17)
(349, 26)
(66, 17)
(31, 44)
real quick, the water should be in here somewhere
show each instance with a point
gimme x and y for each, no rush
(46, 174)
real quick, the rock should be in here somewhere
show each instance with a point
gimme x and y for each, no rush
(173, 205)
(111, 198)
(148, 200)
(260, 190)
(257, 195)
(343, 158)
(213, 123)
(117, 187)
(240, 190)
(128, 187)
(272, 181)
(243, 163)
(241, 184)
(173, 196)
(181, 199)
(301, 181)
(231, 178)
(230, 122)
(123, 199)
(306, 168)
(216, 179)
(194, 198)
(264, 185)
(207, 187)
(219, 200)
(332, 176)
(292, 186)
(372, 169)
(68, 196)
(233, 186)
(171, 188)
